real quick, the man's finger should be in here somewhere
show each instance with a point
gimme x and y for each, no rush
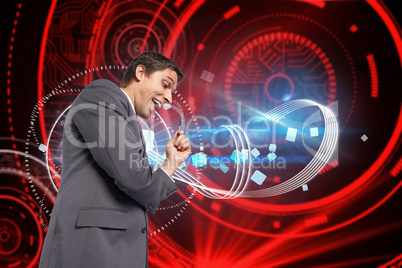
(183, 141)
(185, 146)
(173, 138)
(179, 139)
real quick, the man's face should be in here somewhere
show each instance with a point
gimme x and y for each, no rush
(154, 91)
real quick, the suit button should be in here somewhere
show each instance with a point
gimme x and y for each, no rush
(144, 230)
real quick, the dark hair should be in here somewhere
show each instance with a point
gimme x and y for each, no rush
(153, 62)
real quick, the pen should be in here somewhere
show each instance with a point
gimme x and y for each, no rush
(180, 123)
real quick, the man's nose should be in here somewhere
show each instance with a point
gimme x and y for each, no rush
(168, 97)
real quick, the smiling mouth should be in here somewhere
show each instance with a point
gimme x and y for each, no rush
(157, 103)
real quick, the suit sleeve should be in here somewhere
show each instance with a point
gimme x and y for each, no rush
(115, 143)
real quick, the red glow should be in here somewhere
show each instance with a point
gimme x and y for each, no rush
(231, 12)
(41, 64)
(374, 76)
(353, 28)
(178, 28)
(39, 238)
(178, 3)
(393, 263)
(397, 168)
(15, 264)
(152, 24)
(385, 16)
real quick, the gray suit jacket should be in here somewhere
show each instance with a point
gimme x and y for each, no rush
(107, 186)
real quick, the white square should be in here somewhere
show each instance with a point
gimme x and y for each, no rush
(207, 76)
(314, 131)
(258, 177)
(255, 152)
(305, 187)
(291, 134)
(42, 147)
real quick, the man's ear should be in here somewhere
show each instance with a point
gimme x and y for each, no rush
(140, 72)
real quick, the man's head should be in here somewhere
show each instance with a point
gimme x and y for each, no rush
(152, 78)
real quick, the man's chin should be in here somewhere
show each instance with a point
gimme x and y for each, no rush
(146, 117)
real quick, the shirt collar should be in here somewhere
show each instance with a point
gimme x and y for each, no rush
(129, 100)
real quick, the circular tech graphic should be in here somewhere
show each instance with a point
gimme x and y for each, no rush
(128, 28)
(21, 227)
(286, 66)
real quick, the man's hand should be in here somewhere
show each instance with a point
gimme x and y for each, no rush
(178, 149)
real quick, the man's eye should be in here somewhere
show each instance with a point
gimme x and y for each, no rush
(165, 85)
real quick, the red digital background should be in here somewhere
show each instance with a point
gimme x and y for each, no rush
(348, 52)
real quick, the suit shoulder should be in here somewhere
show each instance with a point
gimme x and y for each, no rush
(103, 91)
(102, 83)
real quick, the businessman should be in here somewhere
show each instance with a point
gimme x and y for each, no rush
(107, 185)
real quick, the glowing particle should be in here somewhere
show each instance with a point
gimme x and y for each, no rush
(207, 76)
(235, 156)
(215, 206)
(305, 187)
(286, 97)
(364, 137)
(241, 156)
(314, 131)
(291, 134)
(272, 147)
(353, 28)
(258, 177)
(271, 156)
(199, 159)
(167, 106)
(255, 152)
(42, 147)
(224, 168)
(277, 224)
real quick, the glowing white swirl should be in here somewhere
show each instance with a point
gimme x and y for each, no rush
(320, 159)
